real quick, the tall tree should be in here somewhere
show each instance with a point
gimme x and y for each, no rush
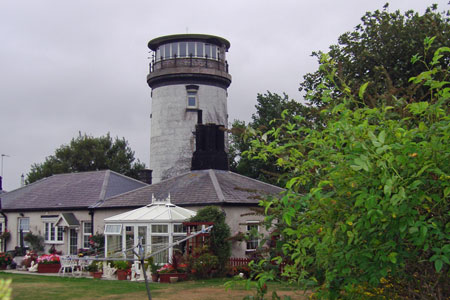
(366, 211)
(378, 53)
(87, 153)
(365, 214)
(269, 109)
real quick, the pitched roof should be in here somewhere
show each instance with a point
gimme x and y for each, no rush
(200, 187)
(69, 219)
(157, 211)
(72, 190)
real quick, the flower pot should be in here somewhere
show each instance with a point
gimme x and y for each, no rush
(173, 279)
(122, 274)
(97, 274)
(165, 277)
(155, 277)
(49, 268)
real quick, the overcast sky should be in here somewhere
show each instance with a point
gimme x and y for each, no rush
(71, 66)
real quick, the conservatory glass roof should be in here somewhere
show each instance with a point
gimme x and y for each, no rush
(159, 211)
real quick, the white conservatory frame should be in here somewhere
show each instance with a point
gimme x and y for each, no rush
(159, 212)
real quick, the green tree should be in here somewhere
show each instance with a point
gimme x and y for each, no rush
(268, 114)
(220, 234)
(87, 153)
(378, 53)
(373, 220)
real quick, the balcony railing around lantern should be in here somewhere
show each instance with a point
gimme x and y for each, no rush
(189, 61)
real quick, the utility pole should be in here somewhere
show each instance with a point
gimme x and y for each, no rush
(3, 155)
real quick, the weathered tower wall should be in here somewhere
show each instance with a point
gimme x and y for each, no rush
(188, 87)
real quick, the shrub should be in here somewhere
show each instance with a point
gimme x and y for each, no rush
(5, 259)
(220, 245)
(121, 265)
(35, 241)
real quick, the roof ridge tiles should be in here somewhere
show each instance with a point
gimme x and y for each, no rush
(216, 185)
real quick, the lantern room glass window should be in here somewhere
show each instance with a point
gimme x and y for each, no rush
(187, 49)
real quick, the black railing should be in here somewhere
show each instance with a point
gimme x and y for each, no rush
(191, 61)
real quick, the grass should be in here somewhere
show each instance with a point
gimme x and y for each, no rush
(65, 288)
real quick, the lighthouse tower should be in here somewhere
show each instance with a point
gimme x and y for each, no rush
(189, 80)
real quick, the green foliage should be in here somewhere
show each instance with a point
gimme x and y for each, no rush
(220, 246)
(366, 211)
(87, 153)
(94, 266)
(121, 265)
(377, 56)
(269, 110)
(35, 241)
(5, 289)
(202, 264)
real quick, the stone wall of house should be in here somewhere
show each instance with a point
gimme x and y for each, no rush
(37, 227)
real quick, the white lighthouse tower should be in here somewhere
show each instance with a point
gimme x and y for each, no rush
(189, 80)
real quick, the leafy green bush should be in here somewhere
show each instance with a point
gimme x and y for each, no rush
(202, 264)
(375, 219)
(35, 241)
(220, 245)
(122, 265)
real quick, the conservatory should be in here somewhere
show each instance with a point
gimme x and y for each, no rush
(155, 226)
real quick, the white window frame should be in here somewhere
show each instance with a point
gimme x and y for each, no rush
(109, 229)
(86, 235)
(192, 94)
(248, 225)
(50, 226)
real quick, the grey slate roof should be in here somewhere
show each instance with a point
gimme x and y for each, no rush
(70, 219)
(201, 187)
(72, 190)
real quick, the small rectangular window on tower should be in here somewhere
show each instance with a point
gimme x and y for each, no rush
(192, 96)
(192, 99)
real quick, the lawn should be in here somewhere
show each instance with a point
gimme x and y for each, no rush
(64, 288)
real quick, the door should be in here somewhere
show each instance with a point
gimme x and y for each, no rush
(73, 242)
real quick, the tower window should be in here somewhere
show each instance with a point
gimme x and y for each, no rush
(192, 101)
(192, 98)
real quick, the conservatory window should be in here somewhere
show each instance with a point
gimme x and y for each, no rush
(113, 229)
(179, 228)
(160, 228)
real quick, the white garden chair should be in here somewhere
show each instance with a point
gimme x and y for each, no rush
(66, 265)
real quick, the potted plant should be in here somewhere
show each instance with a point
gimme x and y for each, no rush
(123, 268)
(48, 263)
(176, 269)
(5, 260)
(153, 268)
(94, 270)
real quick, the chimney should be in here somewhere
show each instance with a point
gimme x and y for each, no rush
(209, 148)
(145, 175)
(22, 181)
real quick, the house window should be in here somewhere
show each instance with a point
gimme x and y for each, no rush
(87, 232)
(53, 234)
(252, 231)
(24, 225)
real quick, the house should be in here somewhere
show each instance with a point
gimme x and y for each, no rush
(234, 194)
(58, 208)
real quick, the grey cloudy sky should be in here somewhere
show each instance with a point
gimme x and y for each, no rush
(71, 66)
